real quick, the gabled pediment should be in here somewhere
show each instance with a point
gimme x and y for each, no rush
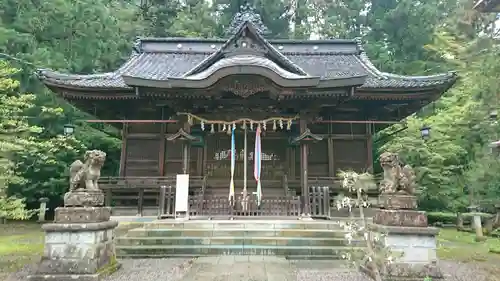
(248, 41)
(183, 136)
(306, 136)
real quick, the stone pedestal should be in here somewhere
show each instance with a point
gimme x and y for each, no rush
(412, 242)
(87, 198)
(79, 244)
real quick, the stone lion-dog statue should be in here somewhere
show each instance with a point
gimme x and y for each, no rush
(397, 178)
(84, 175)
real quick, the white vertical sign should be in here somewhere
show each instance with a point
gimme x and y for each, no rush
(182, 194)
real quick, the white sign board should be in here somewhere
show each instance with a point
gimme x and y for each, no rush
(182, 193)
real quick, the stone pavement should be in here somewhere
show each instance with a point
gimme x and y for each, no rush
(240, 268)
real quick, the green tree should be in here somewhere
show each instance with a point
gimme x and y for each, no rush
(21, 151)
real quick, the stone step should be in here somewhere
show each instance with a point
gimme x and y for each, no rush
(260, 241)
(209, 250)
(345, 264)
(247, 224)
(237, 232)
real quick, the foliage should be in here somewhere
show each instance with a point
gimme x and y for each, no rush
(377, 256)
(451, 218)
(12, 208)
(32, 166)
(404, 37)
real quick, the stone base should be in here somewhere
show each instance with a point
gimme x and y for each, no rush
(77, 277)
(410, 272)
(82, 214)
(84, 198)
(77, 251)
(400, 218)
(397, 201)
(414, 251)
(407, 272)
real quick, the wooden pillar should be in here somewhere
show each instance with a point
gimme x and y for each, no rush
(185, 157)
(369, 148)
(331, 159)
(163, 142)
(199, 162)
(186, 146)
(288, 162)
(123, 153)
(304, 169)
(205, 158)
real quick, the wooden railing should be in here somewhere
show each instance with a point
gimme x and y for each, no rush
(334, 183)
(146, 191)
(319, 198)
(223, 207)
(140, 190)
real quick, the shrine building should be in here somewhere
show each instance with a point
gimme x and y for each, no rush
(235, 112)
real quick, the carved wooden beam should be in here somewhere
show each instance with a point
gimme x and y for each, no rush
(183, 136)
(307, 135)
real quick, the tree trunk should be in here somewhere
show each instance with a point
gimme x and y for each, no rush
(460, 221)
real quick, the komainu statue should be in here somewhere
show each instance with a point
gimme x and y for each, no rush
(397, 178)
(84, 176)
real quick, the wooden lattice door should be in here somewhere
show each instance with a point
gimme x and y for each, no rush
(219, 159)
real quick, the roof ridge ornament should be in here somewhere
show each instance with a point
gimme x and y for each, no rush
(247, 13)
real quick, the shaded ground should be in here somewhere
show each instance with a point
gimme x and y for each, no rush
(462, 259)
(461, 248)
(20, 244)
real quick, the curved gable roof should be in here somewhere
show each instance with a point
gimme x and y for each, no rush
(174, 58)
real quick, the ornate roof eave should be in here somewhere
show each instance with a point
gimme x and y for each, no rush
(439, 79)
(307, 135)
(61, 81)
(183, 136)
(306, 82)
(79, 95)
(59, 87)
(250, 27)
(280, 77)
(432, 92)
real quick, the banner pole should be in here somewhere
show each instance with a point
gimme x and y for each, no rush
(245, 163)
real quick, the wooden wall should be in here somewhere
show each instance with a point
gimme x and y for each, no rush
(142, 157)
(147, 153)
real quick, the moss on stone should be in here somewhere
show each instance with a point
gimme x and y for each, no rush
(109, 268)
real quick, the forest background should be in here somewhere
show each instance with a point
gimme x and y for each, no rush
(400, 36)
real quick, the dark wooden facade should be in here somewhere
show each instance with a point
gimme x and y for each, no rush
(147, 153)
(338, 98)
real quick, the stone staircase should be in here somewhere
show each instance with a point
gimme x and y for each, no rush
(293, 239)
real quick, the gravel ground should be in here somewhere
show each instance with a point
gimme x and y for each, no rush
(132, 270)
(175, 269)
(151, 270)
(453, 271)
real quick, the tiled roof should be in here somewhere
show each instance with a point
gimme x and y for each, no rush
(332, 60)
